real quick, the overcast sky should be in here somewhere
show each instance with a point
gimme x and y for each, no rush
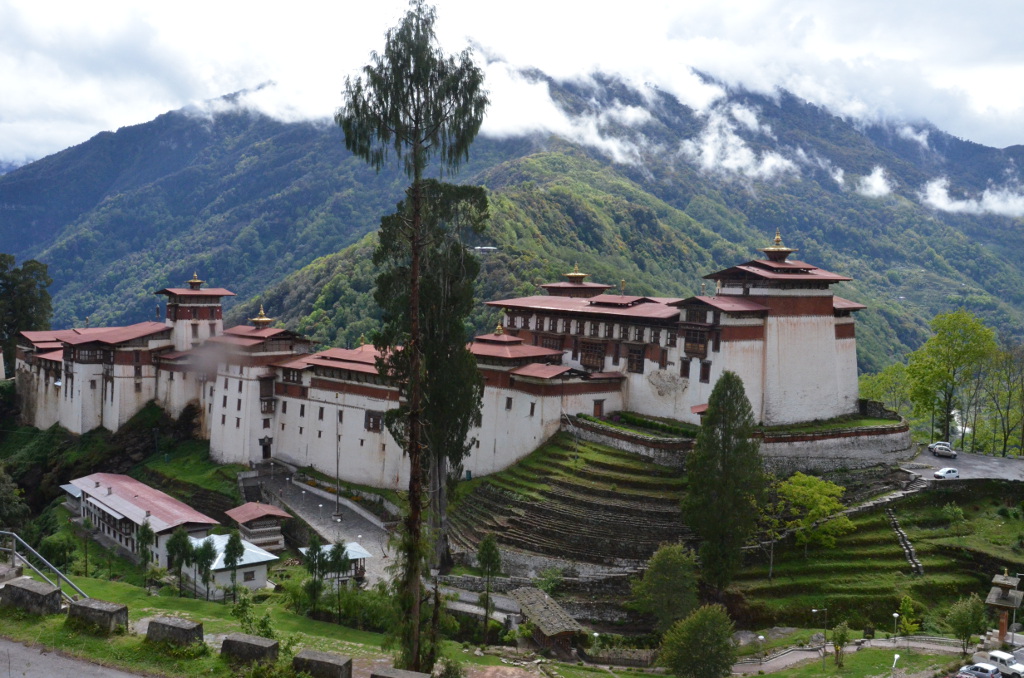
(71, 69)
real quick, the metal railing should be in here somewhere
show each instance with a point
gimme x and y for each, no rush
(15, 541)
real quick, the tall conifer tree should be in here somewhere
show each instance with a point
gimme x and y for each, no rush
(725, 480)
(424, 106)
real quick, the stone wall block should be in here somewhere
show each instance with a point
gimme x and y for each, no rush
(31, 596)
(322, 664)
(107, 617)
(174, 630)
(248, 649)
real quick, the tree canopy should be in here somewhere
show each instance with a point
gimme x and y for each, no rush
(700, 646)
(725, 480)
(24, 302)
(815, 508)
(668, 587)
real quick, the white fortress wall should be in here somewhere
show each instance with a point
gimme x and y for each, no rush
(799, 374)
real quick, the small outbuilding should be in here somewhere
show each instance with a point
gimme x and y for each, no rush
(357, 556)
(260, 524)
(554, 628)
(251, 571)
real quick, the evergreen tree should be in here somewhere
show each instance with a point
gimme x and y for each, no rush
(417, 102)
(700, 646)
(145, 538)
(203, 557)
(338, 564)
(315, 561)
(179, 554)
(725, 480)
(24, 302)
(233, 552)
(13, 509)
(488, 559)
(668, 588)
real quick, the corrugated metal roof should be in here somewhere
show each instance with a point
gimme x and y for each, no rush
(547, 615)
(189, 292)
(352, 549)
(653, 309)
(541, 371)
(841, 304)
(252, 555)
(132, 499)
(728, 303)
(253, 510)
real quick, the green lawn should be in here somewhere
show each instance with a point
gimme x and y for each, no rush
(190, 462)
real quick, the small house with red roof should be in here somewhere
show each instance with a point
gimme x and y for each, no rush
(118, 505)
(260, 524)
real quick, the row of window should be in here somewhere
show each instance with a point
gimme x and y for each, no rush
(594, 328)
(705, 370)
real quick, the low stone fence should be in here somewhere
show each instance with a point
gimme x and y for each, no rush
(322, 664)
(31, 596)
(619, 656)
(845, 448)
(174, 630)
(666, 451)
(247, 649)
(106, 617)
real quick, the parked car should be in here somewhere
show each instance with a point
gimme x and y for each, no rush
(981, 670)
(947, 474)
(942, 450)
(932, 446)
(1006, 663)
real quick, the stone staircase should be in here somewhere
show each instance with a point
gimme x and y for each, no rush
(908, 548)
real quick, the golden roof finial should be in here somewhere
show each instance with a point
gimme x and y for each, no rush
(261, 320)
(777, 251)
(575, 276)
(195, 282)
(362, 339)
(499, 330)
(622, 286)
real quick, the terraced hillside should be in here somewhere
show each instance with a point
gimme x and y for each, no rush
(863, 578)
(591, 504)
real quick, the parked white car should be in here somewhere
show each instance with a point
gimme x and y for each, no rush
(1006, 663)
(947, 474)
(942, 449)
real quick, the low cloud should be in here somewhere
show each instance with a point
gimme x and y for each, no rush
(874, 185)
(1007, 202)
(909, 133)
(720, 149)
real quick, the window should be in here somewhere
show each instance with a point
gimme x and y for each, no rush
(284, 407)
(195, 331)
(554, 343)
(655, 336)
(301, 428)
(616, 354)
(579, 327)
(566, 324)
(225, 382)
(553, 324)
(373, 420)
(223, 419)
(238, 422)
(533, 408)
(138, 356)
(510, 322)
(609, 330)
(684, 367)
(282, 427)
(705, 372)
(211, 391)
(238, 407)
(716, 342)
(671, 338)
(239, 385)
(92, 382)
(138, 388)
(302, 410)
(224, 402)
(663, 359)
(638, 333)
(138, 371)
(341, 416)
(319, 434)
(266, 423)
(592, 355)
(575, 348)
(508, 403)
(321, 415)
(249, 575)
(635, 358)
(594, 327)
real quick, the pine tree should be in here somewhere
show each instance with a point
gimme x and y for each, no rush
(422, 105)
(725, 480)
(488, 559)
(233, 552)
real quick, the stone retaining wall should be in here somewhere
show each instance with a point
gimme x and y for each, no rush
(851, 448)
(665, 451)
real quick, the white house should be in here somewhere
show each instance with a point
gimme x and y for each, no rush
(251, 571)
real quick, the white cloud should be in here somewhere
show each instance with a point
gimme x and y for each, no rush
(874, 185)
(720, 149)
(909, 133)
(1007, 202)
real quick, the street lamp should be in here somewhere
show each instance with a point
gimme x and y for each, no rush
(895, 659)
(824, 635)
(320, 512)
(895, 620)
(760, 649)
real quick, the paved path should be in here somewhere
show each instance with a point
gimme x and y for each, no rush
(18, 661)
(799, 655)
(319, 513)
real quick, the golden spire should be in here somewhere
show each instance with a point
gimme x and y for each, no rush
(261, 320)
(195, 283)
(622, 286)
(499, 330)
(777, 251)
(575, 276)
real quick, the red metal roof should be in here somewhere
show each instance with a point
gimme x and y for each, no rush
(251, 331)
(132, 498)
(189, 292)
(656, 309)
(235, 341)
(840, 304)
(499, 339)
(116, 335)
(253, 510)
(699, 409)
(778, 270)
(361, 367)
(541, 371)
(56, 356)
(728, 303)
(511, 351)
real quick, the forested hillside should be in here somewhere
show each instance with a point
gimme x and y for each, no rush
(280, 213)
